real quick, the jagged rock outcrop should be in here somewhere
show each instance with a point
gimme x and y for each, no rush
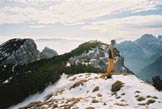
(19, 51)
(22, 51)
(48, 53)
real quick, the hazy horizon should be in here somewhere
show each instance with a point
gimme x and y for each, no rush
(48, 38)
(62, 45)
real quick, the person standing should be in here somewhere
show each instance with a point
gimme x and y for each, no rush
(111, 53)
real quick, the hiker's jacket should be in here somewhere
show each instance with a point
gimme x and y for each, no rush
(113, 52)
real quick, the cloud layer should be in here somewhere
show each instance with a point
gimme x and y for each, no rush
(68, 11)
(128, 26)
(80, 19)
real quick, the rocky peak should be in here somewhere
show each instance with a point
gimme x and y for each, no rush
(48, 53)
(12, 45)
(18, 51)
(149, 43)
(146, 39)
(148, 36)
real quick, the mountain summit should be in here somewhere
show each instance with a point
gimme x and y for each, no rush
(18, 51)
(90, 91)
(23, 51)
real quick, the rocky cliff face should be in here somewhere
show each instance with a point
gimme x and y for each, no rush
(48, 53)
(98, 57)
(22, 51)
(19, 51)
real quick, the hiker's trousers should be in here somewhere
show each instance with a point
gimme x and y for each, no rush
(110, 66)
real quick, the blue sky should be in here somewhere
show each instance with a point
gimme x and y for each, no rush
(80, 19)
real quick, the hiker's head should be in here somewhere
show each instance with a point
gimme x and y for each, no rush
(113, 42)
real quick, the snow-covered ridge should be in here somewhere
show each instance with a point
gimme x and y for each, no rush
(91, 91)
(97, 57)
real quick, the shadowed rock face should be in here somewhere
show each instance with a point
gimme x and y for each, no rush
(19, 51)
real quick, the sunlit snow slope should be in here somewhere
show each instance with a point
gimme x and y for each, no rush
(91, 91)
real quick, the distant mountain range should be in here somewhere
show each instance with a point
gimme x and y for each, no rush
(141, 52)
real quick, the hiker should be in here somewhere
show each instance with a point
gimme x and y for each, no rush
(111, 53)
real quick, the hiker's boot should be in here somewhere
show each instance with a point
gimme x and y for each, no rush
(108, 77)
